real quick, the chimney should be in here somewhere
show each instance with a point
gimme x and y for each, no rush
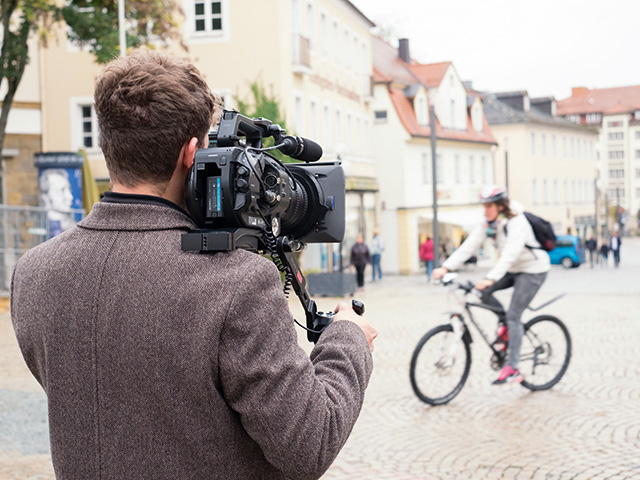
(403, 50)
(577, 91)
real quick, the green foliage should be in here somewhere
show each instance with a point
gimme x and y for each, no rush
(266, 105)
(19, 19)
(92, 24)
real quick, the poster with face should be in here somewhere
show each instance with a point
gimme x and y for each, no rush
(60, 189)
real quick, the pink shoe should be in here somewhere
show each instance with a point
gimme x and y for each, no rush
(508, 375)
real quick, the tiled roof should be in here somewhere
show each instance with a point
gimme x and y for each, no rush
(431, 74)
(601, 100)
(404, 79)
(404, 108)
(387, 62)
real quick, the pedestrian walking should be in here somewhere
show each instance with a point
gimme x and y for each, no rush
(377, 247)
(604, 254)
(360, 256)
(426, 255)
(592, 246)
(614, 246)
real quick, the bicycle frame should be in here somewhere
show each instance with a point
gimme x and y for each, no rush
(467, 307)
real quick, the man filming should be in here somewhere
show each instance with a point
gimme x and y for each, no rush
(165, 364)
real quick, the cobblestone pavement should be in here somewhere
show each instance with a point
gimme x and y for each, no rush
(586, 427)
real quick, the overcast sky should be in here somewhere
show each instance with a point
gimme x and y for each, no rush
(543, 46)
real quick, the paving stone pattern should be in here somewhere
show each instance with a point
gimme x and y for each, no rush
(586, 427)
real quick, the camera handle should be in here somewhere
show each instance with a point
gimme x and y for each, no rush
(316, 321)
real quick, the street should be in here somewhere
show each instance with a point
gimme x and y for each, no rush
(586, 427)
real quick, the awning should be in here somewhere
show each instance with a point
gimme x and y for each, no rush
(467, 218)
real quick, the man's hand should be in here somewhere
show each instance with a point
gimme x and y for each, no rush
(344, 312)
(439, 272)
(484, 283)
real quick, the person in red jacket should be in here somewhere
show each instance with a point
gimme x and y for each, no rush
(426, 255)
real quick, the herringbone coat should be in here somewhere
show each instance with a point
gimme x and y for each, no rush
(164, 364)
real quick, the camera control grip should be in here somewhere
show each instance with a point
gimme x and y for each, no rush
(324, 319)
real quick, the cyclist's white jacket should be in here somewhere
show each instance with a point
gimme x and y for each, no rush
(515, 257)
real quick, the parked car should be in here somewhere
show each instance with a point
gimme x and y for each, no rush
(569, 251)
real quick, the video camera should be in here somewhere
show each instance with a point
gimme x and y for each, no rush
(243, 197)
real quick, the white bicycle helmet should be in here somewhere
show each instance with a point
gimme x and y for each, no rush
(493, 194)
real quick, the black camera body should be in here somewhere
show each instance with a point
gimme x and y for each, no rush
(240, 196)
(235, 184)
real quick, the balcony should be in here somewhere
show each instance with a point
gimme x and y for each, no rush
(301, 54)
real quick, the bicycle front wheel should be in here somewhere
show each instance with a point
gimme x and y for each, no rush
(440, 365)
(545, 353)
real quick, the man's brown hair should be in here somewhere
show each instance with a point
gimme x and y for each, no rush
(149, 105)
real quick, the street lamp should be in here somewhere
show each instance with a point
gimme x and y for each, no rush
(434, 180)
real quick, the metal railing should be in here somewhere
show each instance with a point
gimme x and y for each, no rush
(22, 228)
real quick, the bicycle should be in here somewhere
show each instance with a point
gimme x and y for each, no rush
(443, 354)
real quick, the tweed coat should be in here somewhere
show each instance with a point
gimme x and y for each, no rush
(164, 364)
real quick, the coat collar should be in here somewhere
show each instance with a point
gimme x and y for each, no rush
(136, 216)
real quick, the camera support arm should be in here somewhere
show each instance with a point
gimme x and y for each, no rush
(316, 321)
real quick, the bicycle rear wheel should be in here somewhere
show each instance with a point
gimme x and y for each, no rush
(440, 365)
(545, 353)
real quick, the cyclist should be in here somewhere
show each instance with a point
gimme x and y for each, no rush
(521, 265)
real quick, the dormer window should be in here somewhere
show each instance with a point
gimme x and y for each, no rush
(422, 112)
(476, 117)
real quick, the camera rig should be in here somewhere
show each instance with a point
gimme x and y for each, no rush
(240, 196)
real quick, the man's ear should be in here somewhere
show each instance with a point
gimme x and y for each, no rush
(189, 151)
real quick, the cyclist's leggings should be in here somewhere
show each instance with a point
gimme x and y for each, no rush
(525, 286)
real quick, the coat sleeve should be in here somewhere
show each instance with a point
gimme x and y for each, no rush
(299, 410)
(469, 247)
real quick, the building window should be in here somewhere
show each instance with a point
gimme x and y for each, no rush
(543, 139)
(327, 127)
(421, 111)
(483, 173)
(298, 119)
(554, 146)
(534, 191)
(313, 119)
(456, 169)
(380, 116)
(347, 50)
(323, 33)
(637, 172)
(533, 143)
(207, 17)
(453, 112)
(637, 134)
(336, 43)
(425, 168)
(616, 173)
(439, 170)
(615, 136)
(574, 118)
(564, 147)
(636, 115)
(637, 192)
(616, 154)
(472, 168)
(594, 117)
(545, 192)
(556, 196)
(89, 127)
(310, 26)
